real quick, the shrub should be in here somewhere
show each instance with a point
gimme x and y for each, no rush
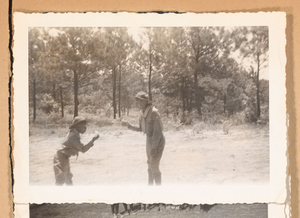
(214, 119)
(238, 119)
(264, 116)
(54, 118)
(47, 104)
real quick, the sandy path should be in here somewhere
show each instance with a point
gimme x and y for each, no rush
(119, 157)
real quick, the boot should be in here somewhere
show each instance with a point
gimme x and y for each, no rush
(157, 178)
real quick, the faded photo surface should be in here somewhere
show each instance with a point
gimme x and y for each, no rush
(209, 86)
(171, 108)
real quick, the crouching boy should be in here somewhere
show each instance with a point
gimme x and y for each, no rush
(70, 147)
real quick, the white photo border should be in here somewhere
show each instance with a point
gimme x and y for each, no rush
(275, 191)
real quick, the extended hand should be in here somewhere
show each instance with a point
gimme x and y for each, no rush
(96, 136)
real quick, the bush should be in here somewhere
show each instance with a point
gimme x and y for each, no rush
(264, 114)
(214, 119)
(171, 123)
(54, 118)
(47, 104)
(238, 119)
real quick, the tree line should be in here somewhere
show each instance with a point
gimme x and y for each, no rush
(205, 71)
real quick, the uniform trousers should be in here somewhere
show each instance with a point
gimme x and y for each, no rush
(62, 172)
(153, 160)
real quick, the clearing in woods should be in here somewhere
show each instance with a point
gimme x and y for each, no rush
(190, 157)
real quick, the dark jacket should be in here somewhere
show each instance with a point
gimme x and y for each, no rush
(72, 145)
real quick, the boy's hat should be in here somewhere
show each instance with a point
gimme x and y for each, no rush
(142, 96)
(77, 120)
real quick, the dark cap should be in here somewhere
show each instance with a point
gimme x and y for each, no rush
(77, 120)
(142, 96)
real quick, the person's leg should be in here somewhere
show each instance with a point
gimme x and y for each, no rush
(117, 208)
(154, 162)
(125, 207)
(59, 179)
(150, 173)
(161, 207)
(60, 165)
(68, 174)
(113, 211)
(146, 207)
(132, 209)
(150, 177)
(191, 207)
(126, 212)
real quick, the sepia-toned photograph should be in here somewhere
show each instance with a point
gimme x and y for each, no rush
(171, 108)
(148, 210)
(151, 105)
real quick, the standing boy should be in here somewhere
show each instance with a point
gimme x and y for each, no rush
(70, 147)
(151, 125)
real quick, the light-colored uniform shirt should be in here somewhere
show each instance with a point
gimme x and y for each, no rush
(151, 125)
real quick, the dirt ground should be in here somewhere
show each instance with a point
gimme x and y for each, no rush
(119, 157)
(104, 211)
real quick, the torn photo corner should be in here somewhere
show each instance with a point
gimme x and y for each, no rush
(204, 94)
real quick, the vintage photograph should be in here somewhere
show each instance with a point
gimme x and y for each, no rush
(150, 210)
(125, 107)
(149, 105)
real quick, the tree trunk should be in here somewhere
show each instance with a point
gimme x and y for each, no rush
(119, 104)
(224, 101)
(114, 92)
(197, 96)
(196, 89)
(189, 98)
(183, 94)
(61, 102)
(150, 75)
(167, 110)
(76, 102)
(257, 87)
(34, 101)
(53, 91)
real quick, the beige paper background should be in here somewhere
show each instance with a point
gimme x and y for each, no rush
(291, 7)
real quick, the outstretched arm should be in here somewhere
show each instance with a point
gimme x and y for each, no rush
(132, 127)
(86, 147)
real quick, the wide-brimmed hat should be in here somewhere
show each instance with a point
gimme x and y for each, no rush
(143, 96)
(77, 120)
